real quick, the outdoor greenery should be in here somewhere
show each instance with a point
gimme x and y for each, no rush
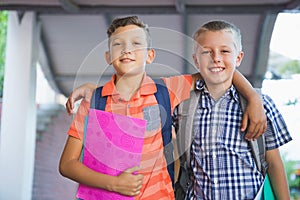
(289, 68)
(293, 180)
(3, 28)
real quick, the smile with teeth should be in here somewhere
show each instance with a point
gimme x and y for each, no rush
(216, 69)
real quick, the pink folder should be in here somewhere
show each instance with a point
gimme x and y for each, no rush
(112, 144)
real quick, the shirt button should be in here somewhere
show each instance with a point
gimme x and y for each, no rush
(214, 131)
(214, 156)
(128, 106)
(215, 181)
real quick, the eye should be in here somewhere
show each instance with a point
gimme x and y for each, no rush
(225, 51)
(137, 43)
(205, 52)
(116, 44)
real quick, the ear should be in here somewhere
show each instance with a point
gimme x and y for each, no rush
(108, 58)
(150, 56)
(239, 58)
(195, 60)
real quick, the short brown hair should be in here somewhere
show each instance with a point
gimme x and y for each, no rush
(131, 20)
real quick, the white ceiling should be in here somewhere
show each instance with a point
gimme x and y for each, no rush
(73, 33)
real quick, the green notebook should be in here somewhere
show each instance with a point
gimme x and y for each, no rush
(267, 190)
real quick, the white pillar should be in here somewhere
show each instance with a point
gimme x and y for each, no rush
(17, 142)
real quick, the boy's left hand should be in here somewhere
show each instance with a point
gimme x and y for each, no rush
(84, 91)
(254, 120)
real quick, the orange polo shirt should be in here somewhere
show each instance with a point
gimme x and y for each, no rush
(156, 183)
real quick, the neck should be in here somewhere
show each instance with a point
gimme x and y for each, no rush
(128, 85)
(217, 91)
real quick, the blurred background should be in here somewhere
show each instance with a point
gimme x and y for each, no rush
(49, 48)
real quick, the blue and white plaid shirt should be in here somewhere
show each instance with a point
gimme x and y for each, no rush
(222, 163)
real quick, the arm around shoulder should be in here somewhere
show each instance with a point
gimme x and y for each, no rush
(254, 118)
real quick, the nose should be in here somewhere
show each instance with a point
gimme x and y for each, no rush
(215, 56)
(127, 49)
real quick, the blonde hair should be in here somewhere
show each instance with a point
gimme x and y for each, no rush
(220, 25)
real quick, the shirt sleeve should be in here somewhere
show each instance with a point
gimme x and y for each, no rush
(77, 126)
(277, 133)
(179, 88)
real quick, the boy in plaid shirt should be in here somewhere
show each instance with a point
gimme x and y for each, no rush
(221, 160)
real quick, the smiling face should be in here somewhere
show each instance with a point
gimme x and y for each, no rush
(129, 51)
(217, 56)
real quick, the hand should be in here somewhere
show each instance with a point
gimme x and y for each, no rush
(255, 115)
(129, 183)
(84, 91)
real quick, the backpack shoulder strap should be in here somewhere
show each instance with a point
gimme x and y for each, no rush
(184, 136)
(186, 113)
(98, 101)
(258, 147)
(163, 99)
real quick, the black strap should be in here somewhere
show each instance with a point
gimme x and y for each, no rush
(163, 99)
(98, 101)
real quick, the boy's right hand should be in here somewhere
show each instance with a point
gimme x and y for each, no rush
(129, 183)
(84, 91)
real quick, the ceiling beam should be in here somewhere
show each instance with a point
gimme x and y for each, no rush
(119, 10)
(263, 43)
(69, 6)
(180, 6)
(293, 5)
(46, 65)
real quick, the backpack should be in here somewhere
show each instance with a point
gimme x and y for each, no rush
(163, 100)
(184, 137)
(258, 146)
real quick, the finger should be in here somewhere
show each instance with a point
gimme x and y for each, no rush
(265, 126)
(88, 97)
(132, 192)
(71, 106)
(71, 102)
(139, 184)
(250, 131)
(69, 110)
(133, 170)
(138, 189)
(136, 193)
(256, 131)
(261, 131)
(244, 122)
(67, 107)
(253, 135)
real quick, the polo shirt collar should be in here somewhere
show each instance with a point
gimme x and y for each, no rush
(147, 87)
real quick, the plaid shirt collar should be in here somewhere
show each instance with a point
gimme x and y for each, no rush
(230, 93)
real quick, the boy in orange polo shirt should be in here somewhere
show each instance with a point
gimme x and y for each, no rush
(130, 92)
